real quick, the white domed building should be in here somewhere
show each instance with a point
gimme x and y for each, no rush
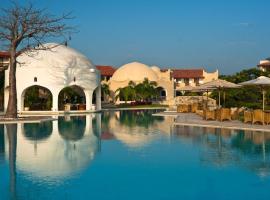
(171, 82)
(137, 73)
(54, 70)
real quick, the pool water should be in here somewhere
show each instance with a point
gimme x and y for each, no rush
(131, 155)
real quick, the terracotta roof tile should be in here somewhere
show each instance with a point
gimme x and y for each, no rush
(187, 73)
(4, 54)
(106, 70)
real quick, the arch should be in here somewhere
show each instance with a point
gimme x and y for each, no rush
(162, 92)
(72, 129)
(74, 96)
(94, 96)
(37, 98)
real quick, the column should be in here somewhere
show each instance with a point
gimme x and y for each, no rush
(98, 98)
(55, 101)
(6, 96)
(88, 99)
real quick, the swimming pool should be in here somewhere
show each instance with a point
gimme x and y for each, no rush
(131, 155)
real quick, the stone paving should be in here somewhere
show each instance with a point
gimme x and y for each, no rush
(191, 119)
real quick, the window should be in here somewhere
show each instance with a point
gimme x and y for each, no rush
(74, 79)
(186, 80)
(197, 81)
(35, 79)
(178, 93)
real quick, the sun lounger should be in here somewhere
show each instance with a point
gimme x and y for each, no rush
(183, 108)
(199, 112)
(194, 107)
(223, 114)
(258, 116)
(248, 115)
(209, 114)
(235, 112)
(267, 117)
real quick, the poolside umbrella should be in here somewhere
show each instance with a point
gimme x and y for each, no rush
(186, 88)
(218, 84)
(262, 82)
(205, 89)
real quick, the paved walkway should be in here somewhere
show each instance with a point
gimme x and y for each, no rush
(191, 119)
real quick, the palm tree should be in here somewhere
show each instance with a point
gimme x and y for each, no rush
(146, 90)
(105, 90)
(127, 93)
(141, 92)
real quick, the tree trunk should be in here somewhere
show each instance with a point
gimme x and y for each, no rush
(12, 99)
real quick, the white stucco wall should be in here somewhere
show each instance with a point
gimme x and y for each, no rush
(56, 69)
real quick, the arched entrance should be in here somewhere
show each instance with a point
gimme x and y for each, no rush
(37, 98)
(73, 96)
(94, 97)
(162, 94)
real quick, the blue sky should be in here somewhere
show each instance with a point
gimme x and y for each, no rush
(226, 34)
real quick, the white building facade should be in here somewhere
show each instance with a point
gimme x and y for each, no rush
(56, 69)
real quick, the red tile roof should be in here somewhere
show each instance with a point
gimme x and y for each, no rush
(4, 54)
(106, 70)
(187, 73)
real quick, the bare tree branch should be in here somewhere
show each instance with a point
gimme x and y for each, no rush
(24, 29)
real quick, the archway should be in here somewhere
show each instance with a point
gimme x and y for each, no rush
(162, 93)
(37, 98)
(94, 97)
(73, 96)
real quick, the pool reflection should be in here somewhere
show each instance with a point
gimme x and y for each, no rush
(54, 152)
(2, 143)
(48, 152)
(37, 132)
(224, 147)
(135, 129)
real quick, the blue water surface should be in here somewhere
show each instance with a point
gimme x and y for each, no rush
(131, 155)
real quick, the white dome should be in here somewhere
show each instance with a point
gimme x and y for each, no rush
(58, 56)
(155, 69)
(134, 72)
(56, 68)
